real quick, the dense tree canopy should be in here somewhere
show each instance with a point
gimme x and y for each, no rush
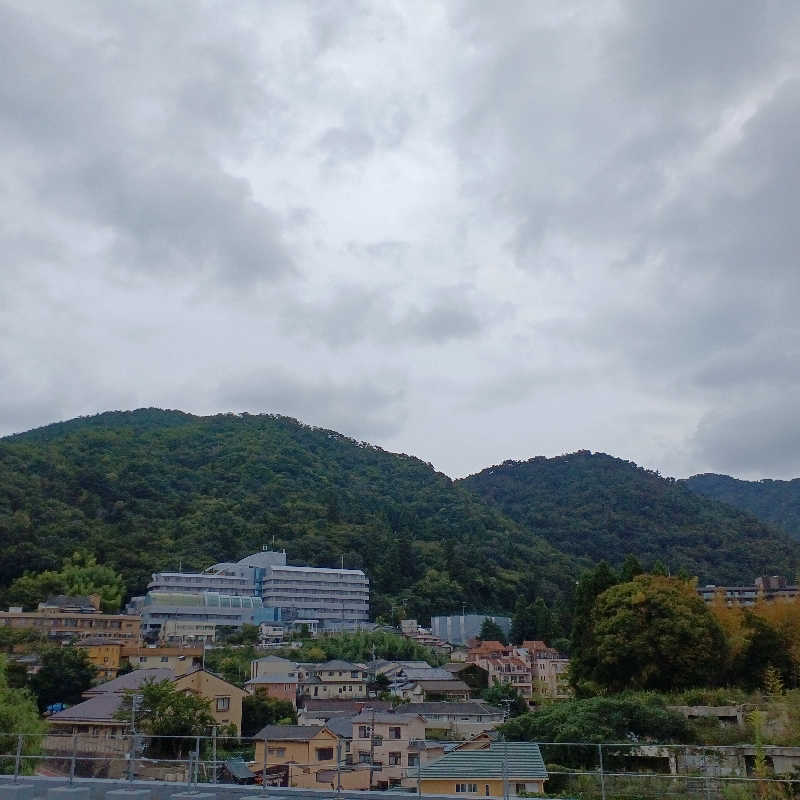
(260, 711)
(80, 575)
(595, 506)
(492, 632)
(65, 674)
(145, 490)
(653, 632)
(18, 714)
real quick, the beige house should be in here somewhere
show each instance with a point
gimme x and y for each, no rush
(303, 749)
(339, 680)
(394, 742)
(225, 698)
(179, 659)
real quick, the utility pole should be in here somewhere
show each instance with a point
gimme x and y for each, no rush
(507, 704)
(339, 766)
(371, 747)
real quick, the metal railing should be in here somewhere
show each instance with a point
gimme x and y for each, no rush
(605, 771)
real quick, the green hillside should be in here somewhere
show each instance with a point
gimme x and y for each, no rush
(595, 506)
(148, 489)
(777, 502)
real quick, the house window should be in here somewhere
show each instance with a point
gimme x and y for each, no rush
(363, 731)
(324, 753)
(223, 703)
(413, 759)
(142, 659)
(520, 788)
(279, 752)
(164, 659)
(395, 760)
(394, 733)
(363, 758)
(353, 674)
(466, 788)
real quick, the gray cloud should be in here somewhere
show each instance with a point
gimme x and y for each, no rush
(567, 226)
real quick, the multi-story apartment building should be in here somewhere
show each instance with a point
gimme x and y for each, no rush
(767, 588)
(334, 597)
(505, 664)
(179, 659)
(330, 598)
(550, 670)
(67, 618)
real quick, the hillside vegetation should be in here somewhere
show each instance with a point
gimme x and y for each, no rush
(591, 505)
(150, 489)
(772, 501)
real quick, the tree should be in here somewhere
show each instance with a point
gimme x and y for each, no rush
(500, 693)
(65, 674)
(164, 711)
(630, 568)
(260, 711)
(18, 714)
(492, 632)
(80, 575)
(654, 632)
(601, 719)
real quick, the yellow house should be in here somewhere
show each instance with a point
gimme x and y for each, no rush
(306, 749)
(105, 656)
(483, 772)
(226, 699)
(179, 659)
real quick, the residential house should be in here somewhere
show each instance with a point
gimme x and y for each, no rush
(225, 699)
(271, 664)
(333, 679)
(278, 685)
(499, 769)
(104, 654)
(179, 659)
(428, 684)
(321, 711)
(304, 749)
(393, 742)
(96, 729)
(476, 677)
(62, 618)
(459, 720)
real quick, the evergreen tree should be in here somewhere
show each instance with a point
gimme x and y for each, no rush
(492, 632)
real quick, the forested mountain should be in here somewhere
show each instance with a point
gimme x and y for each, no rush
(148, 489)
(772, 501)
(594, 506)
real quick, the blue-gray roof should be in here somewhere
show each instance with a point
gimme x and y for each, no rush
(524, 761)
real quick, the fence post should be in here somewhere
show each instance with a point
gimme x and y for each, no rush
(214, 754)
(197, 759)
(131, 756)
(189, 767)
(73, 759)
(18, 757)
(264, 773)
(602, 775)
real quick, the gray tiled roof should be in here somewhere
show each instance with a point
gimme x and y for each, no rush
(292, 733)
(468, 708)
(524, 760)
(427, 674)
(133, 680)
(341, 726)
(100, 708)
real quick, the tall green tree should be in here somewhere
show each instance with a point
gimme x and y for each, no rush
(260, 711)
(654, 632)
(65, 674)
(507, 697)
(18, 715)
(168, 715)
(492, 632)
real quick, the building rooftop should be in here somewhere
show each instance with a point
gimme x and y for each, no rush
(367, 716)
(524, 760)
(132, 680)
(100, 708)
(274, 677)
(335, 664)
(289, 733)
(467, 708)
(63, 601)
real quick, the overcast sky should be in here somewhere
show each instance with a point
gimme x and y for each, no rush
(468, 231)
